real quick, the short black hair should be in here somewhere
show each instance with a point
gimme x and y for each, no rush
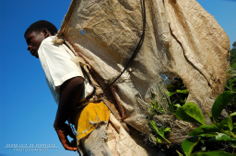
(40, 25)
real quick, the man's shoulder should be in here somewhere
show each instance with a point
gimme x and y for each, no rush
(49, 48)
(47, 40)
(47, 45)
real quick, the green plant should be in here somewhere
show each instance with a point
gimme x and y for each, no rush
(223, 131)
(159, 133)
(231, 83)
(155, 108)
(177, 93)
(203, 135)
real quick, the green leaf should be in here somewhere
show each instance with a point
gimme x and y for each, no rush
(191, 113)
(202, 141)
(185, 99)
(160, 109)
(232, 83)
(180, 154)
(188, 145)
(155, 103)
(212, 153)
(182, 91)
(233, 114)
(172, 109)
(222, 137)
(167, 131)
(177, 105)
(160, 131)
(170, 93)
(153, 95)
(152, 109)
(220, 103)
(232, 144)
(159, 139)
(153, 106)
(212, 120)
(234, 127)
(226, 124)
(181, 101)
(205, 131)
(171, 87)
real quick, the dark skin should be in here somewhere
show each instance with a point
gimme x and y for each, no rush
(70, 93)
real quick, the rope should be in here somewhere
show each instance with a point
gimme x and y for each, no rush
(139, 44)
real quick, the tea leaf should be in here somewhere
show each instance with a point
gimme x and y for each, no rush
(170, 93)
(160, 131)
(205, 131)
(232, 144)
(220, 103)
(182, 91)
(188, 145)
(233, 114)
(212, 153)
(226, 124)
(190, 113)
(222, 137)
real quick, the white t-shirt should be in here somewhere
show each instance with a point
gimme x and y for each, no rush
(58, 67)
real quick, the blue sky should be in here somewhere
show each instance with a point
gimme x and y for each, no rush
(27, 109)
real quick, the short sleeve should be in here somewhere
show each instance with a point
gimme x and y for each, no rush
(57, 64)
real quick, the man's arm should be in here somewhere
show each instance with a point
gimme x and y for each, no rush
(70, 93)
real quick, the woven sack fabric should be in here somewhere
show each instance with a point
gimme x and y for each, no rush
(181, 40)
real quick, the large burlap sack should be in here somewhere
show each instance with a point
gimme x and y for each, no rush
(181, 40)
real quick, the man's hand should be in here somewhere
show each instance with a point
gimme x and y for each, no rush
(62, 133)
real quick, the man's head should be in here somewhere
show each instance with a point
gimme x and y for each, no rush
(36, 33)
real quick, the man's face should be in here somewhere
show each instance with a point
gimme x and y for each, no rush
(34, 40)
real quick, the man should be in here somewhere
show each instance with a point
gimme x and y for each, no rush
(70, 88)
(97, 129)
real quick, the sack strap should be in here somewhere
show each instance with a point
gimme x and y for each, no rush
(99, 94)
(59, 39)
